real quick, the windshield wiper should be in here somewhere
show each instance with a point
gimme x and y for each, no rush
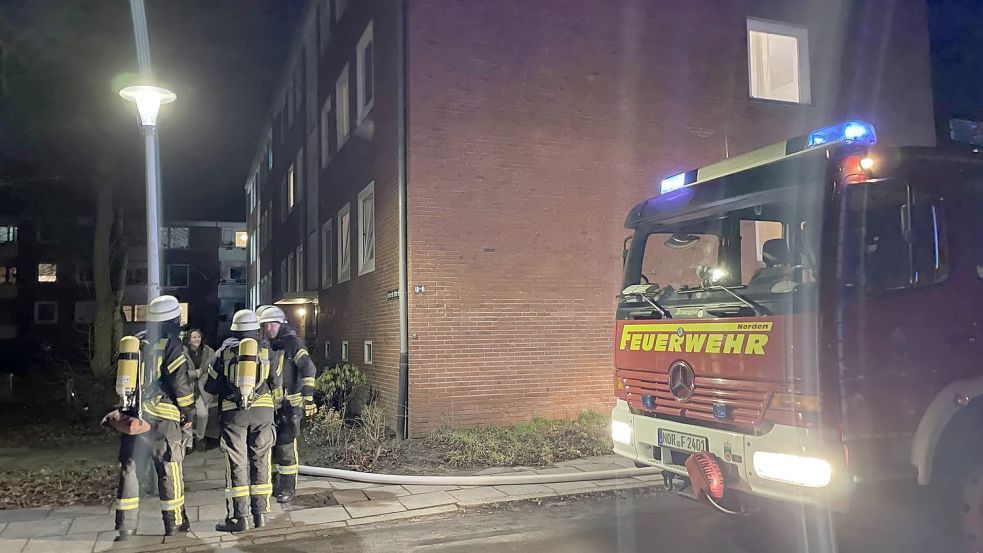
(649, 293)
(759, 309)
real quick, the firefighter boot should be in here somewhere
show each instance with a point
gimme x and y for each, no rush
(124, 535)
(171, 527)
(259, 520)
(233, 525)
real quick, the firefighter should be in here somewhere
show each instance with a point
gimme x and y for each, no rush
(297, 369)
(242, 379)
(158, 400)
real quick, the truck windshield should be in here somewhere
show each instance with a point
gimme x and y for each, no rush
(766, 253)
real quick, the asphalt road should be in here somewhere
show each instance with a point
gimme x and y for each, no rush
(650, 522)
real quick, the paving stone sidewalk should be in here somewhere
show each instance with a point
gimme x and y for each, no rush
(323, 505)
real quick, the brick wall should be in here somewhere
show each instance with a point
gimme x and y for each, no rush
(535, 126)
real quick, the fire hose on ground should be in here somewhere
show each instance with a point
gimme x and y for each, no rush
(477, 480)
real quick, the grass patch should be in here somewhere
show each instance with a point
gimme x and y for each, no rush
(83, 484)
(538, 442)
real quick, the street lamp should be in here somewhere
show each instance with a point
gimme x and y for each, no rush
(148, 100)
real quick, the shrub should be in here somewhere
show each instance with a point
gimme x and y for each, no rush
(339, 385)
(357, 444)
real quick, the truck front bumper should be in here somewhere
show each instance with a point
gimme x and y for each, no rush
(792, 463)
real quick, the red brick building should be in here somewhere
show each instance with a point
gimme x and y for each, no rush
(530, 130)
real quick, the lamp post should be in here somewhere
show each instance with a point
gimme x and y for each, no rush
(148, 100)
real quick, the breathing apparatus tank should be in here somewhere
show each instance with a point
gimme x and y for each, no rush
(128, 372)
(247, 369)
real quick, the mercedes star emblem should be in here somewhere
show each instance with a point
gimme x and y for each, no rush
(682, 381)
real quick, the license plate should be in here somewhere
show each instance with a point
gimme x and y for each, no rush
(682, 442)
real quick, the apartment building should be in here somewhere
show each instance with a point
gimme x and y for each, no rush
(528, 130)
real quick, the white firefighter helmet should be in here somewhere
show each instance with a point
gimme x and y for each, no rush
(260, 309)
(243, 320)
(273, 314)
(163, 308)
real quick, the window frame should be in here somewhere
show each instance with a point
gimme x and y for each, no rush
(344, 269)
(344, 351)
(364, 107)
(366, 265)
(187, 272)
(342, 108)
(327, 254)
(53, 279)
(367, 352)
(291, 188)
(327, 110)
(781, 28)
(38, 304)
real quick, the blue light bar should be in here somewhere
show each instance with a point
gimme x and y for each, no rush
(851, 132)
(674, 182)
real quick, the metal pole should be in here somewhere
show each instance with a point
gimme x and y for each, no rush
(153, 215)
(402, 409)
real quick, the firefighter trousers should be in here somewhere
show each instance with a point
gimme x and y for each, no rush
(285, 463)
(247, 439)
(163, 442)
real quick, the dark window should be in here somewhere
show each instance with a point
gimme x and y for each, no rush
(892, 239)
(8, 233)
(177, 276)
(8, 275)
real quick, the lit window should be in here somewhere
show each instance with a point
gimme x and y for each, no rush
(342, 116)
(184, 313)
(326, 116)
(140, 313)
(366, 224)
(344, 350)
(291, 187)
(8, 275)
(45, 312)
(327, 267)
(47, 272)
(242, 239)
(778, 61)
(8, 233)
(364, 69)
(367, 353)
(344, 243)
(177, 276)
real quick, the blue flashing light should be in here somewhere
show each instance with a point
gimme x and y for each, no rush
(851, 132)
(674, 182)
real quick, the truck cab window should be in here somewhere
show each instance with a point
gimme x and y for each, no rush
(891, 239)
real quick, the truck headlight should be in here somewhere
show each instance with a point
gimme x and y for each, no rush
(793, 469)
(621, 432)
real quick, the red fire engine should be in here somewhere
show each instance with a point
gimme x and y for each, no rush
(806, 319)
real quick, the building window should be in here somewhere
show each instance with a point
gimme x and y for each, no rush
(342, 115)
(291, 273)
(366, 224)
(175, 238)
(327, 239)
(324, 27)
(326, 116)
(85, 312)
(8, 233)
(284, 276)
(47, 272)
(299, 283)
(367, 353)
(8, 274)
(177, 276)
(364, 73)
(344, 243)
(327, 350)
(242, 239)
(344, 350)
(45, 312)
(291, 188)
(339, 6)
(778, 61)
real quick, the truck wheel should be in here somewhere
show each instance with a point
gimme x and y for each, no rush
(971, 509)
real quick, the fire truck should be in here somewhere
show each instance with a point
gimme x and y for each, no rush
(806, 319)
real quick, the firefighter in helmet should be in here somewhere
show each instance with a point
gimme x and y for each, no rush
(243, 380)
(297, 369)
(157, 401)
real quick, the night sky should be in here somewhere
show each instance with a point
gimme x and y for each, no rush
(223, 57)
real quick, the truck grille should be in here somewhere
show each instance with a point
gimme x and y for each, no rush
(745, 401)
